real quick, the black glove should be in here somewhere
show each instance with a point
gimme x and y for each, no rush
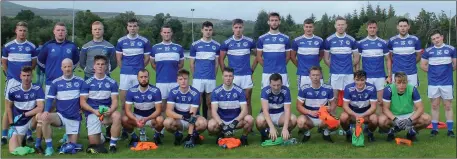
(226, 130)
(408, 122)
(186, 117)
(192, 119)
(233, 124)
(400, 124)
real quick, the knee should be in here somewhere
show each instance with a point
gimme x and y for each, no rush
(116, 116)
(201, 123)
(426, 119)
(248, 119)
(448, 107)
(159, 120)
(382, 121)
(435, 105)
(212, 125)
(301, 121)
(168, 122)
(124, 120)
(373, 119)
(344, 117)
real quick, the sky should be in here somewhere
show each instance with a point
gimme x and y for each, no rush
(247, 10)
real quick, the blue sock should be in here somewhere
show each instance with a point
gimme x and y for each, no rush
(412, 131)
(49, 143)
(4, 132)
(133, 135)
(38, 142)
(113, 141)
(29, 133)
(434, 125)
(263, 132)
(178, 133)
(450, 125)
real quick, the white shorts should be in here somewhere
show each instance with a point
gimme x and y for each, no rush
(46, 91)
(204, 85)
(148, 123)
(339, 81)
(184, 125)
(22, 130)
(275, 118)
(127, 81)
(412, 79)
(444, 92)
(165, 88)
(404, 116)
(316, 121)
(71, 126)
(227, 122)
(10, 84)
(244, 82)
(303, 80)
(266, 79)
(377, 82)
(94, 125)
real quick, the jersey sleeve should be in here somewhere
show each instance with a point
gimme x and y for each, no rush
(82, 57)
(390, 46)
(354, 46)
(347, 95)
(42, 57)
(181, 53)
(196, 100)
(218, 50)
(242, 97)
(224, 47)
(264, 95)
(252, 45)
(84, 89)
(147, 47)
(193, 52)
(214, 98)
(158, 96)
(359, 47)
(52, 91)
(152, 54)
(5, 53)
(113, 60)
(40, 94)
(416, 95)
(171, 98)
(385, 49)
(75, 55)
(114, 88)
(295, 45)
(387, 94)
(260, 44)
(287, 44)
(301, 95)
(330, 95)
(34, 53)
(417, 45)
(287, 99)
(327, 45)
(453, 53)
(10, 96)
(321, 46)
(373, 95)
(119, 47)
(425, 55)
(129, 97)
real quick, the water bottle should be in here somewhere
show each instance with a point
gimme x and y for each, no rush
(143, 134)
(341, 132)
(291, 141)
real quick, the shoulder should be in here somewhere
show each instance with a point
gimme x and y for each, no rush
(122, 38)
(263, 36)
(142, 38)
(238, 89)
(248, 39)
(299, 38)
(196, 42)
(429, 48)
(218, 89)
(57, 80)
(284, 35)
(304, 87)
(88, 44)
(326, 86)
(285, 90)
(79, 78)
(153, 89)
(331, 37)
(10, 43)
(134, 89)
(382, 40)
(178, 45)
(351, 87)
(350, 37)
(370, 87)
(318, 38)
(107, 43)
(413, 37)
(393, 38)
(88, 81)
(15, 89)
(31, 44)
(157, 45)
(449, 47)
(193, 91)
(363, 40)
(36, 87)
(109, 79)
(228, 40)
(215, 42)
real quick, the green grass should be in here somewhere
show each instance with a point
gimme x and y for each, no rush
(440, 146)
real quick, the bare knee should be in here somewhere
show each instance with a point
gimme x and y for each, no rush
(425, 119)
(373, 119)
(344, 117)
(116, 117)
(159, 121)
(168, 122)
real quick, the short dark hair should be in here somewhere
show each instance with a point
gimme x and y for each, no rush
(132, 20)
(183, 72)
(436, 31)
(27, 69)
(207, 24)
(403, 20)
(237, 21)
(275, 77)
(340, 18)
(100, 57)
(274, 14)
(228, 69)
(315, 68)
(372, 22)
(166, 26)
(308, 21)
(360, 74)
(401, 76)
(143, 70)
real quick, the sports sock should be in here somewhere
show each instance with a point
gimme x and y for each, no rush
(113, 141)
(48, 143)
(134, 136)
(38, 142)
(307, 133)
(434, 125)
(4, 132)
(29, 133)
(450, 125)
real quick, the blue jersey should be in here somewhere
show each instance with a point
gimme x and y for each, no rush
(133, 51)
(66, 92)
(18, 55)
(228, 101)
(183, 101)
(341, 50)
(239, 54)
(404, 53)
(373, 52)
(315, 98)
(51, 56)
(387, 94)
(359, 101)
(276, 101)
(274, 48)
(143, 102)
(99, 91)
(167, 57)
(307, 53)
(205, 55)
(24, 101)
(440, 64)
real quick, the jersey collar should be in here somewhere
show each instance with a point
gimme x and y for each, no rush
(233, 37)
(336, 34)
(362, 89)
(439, 47)
(407, 36)
(273, 34)
(101, 78)
(19, 42)
(137, 35)
(307, 37)
(142, 91)
(368, 37)
(72, 76)
(22, 88)
(188, 89)
(228, 89)
(166, 43)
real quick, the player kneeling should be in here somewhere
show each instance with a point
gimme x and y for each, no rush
(229, 109)
(101, 90)
(275, 110)
(402, 109)
(310, 99)
(360, 99)
(146, 100)
(182, 112)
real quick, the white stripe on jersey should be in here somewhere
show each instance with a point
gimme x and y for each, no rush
(274, 48)
(239, 52)
(99, 94)
(308, 51)
(67, 95)
(28, 105)
(340, 50)
(439, 60)
(205, 55)
(372, 53)
(168, 56)
(18, 57)
(145, 105)
(132, 51)
(182, 107)
(229, 104)
(404, 50)
(316, 103)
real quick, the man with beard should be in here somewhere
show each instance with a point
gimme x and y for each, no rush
(273, 51)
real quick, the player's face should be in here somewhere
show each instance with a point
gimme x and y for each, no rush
(21, 32)
(132, 28)
(315, 76)
(67, 68)
(308, 28)
(143, 79)
(274, 22)
(60, 32)
(340, 26)
(276, 85)
(228, 78)
(238, 29)
(372, 29)
(97, 31)
(437, 39)
(100, 66)
(403, 28)
(401, 85)
(183, 81)
(26, 78)
(207, 32)
(360, 83)
(166, 34)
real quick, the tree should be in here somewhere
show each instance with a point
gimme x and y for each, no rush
(355, 23)
(378, 13)
(425, 22)
(363, 16)
(391, 12)
(261, 24)
(324, 26)
(313, 17)
(370, 12)
(25, 15)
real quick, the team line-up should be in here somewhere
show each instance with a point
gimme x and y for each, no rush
(173, 105)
